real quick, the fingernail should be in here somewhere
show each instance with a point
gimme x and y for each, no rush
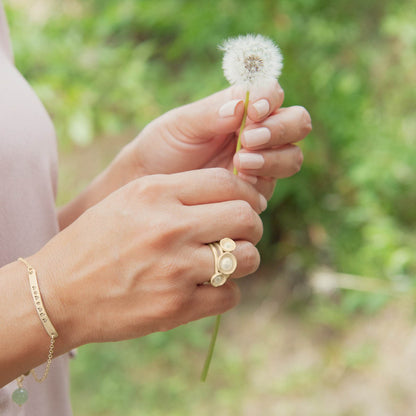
(256, 137)
(263, 203)
(262, 107)
(250, 160)
(248, 178)
(228, 109)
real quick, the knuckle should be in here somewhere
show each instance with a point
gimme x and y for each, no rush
(245, 214)
(149, 186)
(306, 121)
(221, 175)
(163, 236)
(171, 268)
(174, 305)
(258, 231)
(294, 162)
(175, 230)
(281, 94)
(282, 132)
(298, 159)
(178, 304)
(223, 178)
(250, 220)
(251, 259)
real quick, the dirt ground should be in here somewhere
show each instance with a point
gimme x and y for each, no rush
(367, 369)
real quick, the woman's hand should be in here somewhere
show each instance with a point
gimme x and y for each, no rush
(204, 134)
(135, 263)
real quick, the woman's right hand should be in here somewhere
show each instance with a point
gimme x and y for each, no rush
(134, 263)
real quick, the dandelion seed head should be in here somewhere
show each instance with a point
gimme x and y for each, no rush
(250, 60)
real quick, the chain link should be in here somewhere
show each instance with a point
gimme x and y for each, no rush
(48, 363)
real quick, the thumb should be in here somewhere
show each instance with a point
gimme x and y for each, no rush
(217, 114)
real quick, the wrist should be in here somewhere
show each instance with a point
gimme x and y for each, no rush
(23, 340)
(51, 277)
(128, 164)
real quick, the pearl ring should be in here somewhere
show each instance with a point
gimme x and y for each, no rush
(225, 261)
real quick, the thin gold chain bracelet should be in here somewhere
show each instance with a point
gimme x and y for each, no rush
(20, 395)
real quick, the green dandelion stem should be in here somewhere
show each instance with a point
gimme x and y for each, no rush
(211, 348)
(205, 370)
(243, 124)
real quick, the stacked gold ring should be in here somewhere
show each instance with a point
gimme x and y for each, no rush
(225, 261)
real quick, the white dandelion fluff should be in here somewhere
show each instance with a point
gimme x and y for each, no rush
(250, 60)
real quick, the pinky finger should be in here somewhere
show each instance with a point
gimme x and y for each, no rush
(209, 300)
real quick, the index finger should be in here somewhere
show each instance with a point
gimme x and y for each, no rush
(207, 186)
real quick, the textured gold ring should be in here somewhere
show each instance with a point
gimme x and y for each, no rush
(225, 261)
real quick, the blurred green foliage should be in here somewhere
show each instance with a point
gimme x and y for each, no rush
(105, 66)
(111, 66)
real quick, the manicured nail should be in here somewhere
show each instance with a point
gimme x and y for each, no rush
(228, 109)
(263, 203)
(250, 160)
(262, 107)
(256, 137)
(248, 178)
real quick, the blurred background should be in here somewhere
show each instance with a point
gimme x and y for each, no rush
(326, 327)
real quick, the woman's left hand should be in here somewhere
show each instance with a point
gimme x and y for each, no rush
(204, 134)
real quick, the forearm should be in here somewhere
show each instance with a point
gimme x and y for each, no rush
(24, 343)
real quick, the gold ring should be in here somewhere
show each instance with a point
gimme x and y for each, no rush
(225, 261)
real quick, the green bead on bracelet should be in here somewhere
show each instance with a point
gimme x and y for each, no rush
(20, 396)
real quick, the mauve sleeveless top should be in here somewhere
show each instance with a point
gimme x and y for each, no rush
(28, 177)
